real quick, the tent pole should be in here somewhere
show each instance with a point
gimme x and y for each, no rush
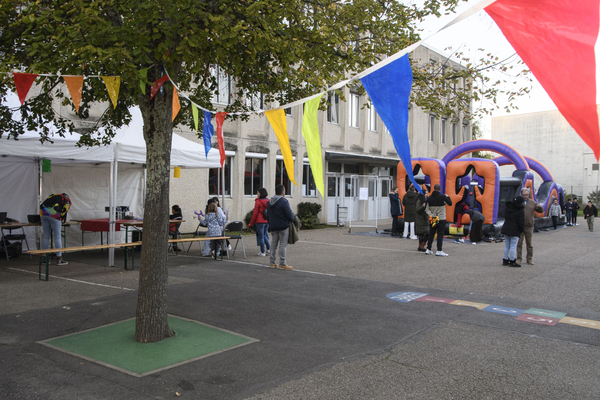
(38, 239)
(111, 214)
(222, 186)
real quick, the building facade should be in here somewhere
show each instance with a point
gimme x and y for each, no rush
(548, 138)
(355, 146)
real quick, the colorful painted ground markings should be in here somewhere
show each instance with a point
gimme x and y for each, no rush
(533, 315)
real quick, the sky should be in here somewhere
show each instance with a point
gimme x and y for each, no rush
(480, 31)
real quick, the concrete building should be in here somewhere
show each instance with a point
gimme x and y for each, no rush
(548, 138)
(354, 143)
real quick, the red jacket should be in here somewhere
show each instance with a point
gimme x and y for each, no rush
(257, 214)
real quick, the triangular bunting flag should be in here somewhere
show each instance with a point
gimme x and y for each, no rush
(310, 131)
(556, 40)
(195, 115)
(279, 125)
(207, 132)
(157, 85)
(23, 83)
(389, 89)
(176, 105)
(75, 85)
(112, 84)
(144, 74)
(220, 117)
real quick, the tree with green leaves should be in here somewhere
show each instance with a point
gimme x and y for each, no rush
(282, 50)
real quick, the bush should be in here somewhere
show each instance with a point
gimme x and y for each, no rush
(247, 219)
(307, 213)
(594, 197)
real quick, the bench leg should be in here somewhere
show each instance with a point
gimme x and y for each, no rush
(40, 267)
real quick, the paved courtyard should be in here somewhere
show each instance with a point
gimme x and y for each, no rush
(327, 329)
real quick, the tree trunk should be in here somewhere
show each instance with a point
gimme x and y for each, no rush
(151, 324)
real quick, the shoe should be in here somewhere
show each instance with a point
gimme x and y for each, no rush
(441, 254)
(268, 252)
(513, 263)
(413, 238)
(473, 242)
(274, 266)
(261, 254)
(421, 249)
(530, 262)
(176, 249)
(285, 267)
(60, 261)
(459, 241)
(229, 247)
(428, 252)
(504, 261)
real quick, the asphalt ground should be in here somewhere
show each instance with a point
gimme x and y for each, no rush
(326, 330)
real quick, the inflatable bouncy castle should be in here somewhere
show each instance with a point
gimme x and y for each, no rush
(477, 183)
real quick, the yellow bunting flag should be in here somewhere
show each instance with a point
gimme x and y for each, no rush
(112, 84)
(195, 115)
(310, 131)
(277, 120)
(75, 85)
(176, 105)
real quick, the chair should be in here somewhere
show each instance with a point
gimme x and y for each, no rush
(13, 238)
(234, 231)
(198, 233)
(174, 231)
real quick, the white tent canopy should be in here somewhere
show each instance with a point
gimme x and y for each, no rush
(83, 172)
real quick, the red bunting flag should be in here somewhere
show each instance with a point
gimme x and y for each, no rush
(157, 85)
(23, 83)
(556, 39)
(220, 117)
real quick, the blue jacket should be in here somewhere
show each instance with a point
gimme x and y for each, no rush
(395, 204)
(280, 213)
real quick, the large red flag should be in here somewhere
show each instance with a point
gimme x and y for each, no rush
(556, 39)
(23, 83)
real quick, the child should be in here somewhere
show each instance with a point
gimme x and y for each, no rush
(569, 211)
(174, 227)
(215, 224)
(554, 212)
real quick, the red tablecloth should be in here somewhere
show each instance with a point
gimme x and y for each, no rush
(100, 224)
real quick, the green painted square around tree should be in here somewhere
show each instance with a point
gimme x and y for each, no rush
(546, 313)
(115, 346)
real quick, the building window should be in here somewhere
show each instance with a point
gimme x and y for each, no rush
(432, 128)
(255, 101)
(443, 131)
(253, 175)
(281, 177)
(288, 111)
(333, 109)
(595, 167)
(354, 110)
(334, 167)
(309, 189)
(223, 93)
(215, 181)
(372, 117)
(454, 133)
(465, 132)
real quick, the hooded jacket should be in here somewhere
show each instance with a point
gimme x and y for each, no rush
(280, 214)
(408, 201)
(514, 218)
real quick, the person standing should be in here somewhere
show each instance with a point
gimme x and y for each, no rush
(589, 213)
(173, 226)
(514, 224)
(422, 219)
(280, 215)
(410, 216)
(262, 224)
(554, 212)
(569, 211)
(53, 211)
(436, 204)
(575, 211)
(527, 235)
(395, 211)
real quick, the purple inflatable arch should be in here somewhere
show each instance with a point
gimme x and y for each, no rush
(533, 164)
(491, 145)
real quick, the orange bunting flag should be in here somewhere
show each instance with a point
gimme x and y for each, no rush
(157, 85)
(75, 85)
(23, 83)
(279, 125)
(112, 84)
(220, 117)
(176, 105)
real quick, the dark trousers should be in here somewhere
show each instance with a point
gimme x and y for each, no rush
(574, 217)
(476, 233)
(439, 229)
(395, 225)
(554, 221)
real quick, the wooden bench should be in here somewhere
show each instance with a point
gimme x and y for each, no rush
(125, 246)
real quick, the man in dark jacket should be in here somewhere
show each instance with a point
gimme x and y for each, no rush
(589, 213)
(395, 211)
(514, 224)
(280, 215)
(436, 204)
(531, 207)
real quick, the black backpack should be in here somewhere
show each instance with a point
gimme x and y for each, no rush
(266, 213)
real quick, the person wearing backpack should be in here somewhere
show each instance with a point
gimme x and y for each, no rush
(261, 219)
